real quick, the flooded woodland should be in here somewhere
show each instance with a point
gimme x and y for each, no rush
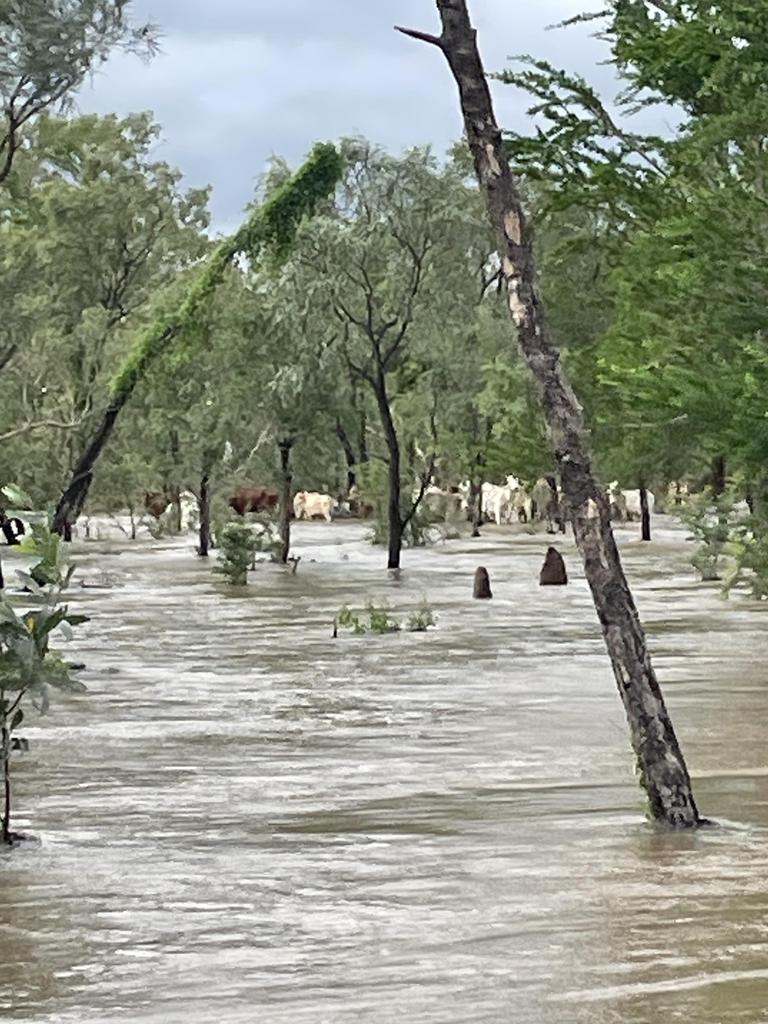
(383, 472)
(247, 819)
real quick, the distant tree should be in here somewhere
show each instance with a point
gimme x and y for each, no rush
(49, 47)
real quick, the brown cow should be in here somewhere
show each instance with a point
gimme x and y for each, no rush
(253, 499)
(155, 502)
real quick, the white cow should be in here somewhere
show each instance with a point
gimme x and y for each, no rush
(627, 503)
(310, 504)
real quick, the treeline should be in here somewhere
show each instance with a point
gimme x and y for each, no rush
(375, 351)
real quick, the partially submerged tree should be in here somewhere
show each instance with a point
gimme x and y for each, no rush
(660, 761)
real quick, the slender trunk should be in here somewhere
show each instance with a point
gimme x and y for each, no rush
(72, 500)
(204, 510)
(645, 515)
(285, 446)
(476, 503)
(394, 513)
(660, 761)
(718, 475)
(2, 578)
(349, 454)
(5, 746)
(363, 441)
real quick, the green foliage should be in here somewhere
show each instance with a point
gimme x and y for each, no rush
(711, 521)
(49, 48)
(29, 669)
(271, 226)
(380, 621)
(52, 568)
(420, 620)
(238, 546)
(748, 549)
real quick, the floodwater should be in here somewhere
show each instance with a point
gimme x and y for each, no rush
(246, 820)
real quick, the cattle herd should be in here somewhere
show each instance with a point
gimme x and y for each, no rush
(499, 503)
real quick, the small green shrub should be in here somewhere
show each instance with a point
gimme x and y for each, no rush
(239, 544)
(420, 620)
(51, 569)
(380, 621)
(749, 569)
(712, 522)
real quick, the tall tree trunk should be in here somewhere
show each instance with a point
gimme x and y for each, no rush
(285, 446)
(394, 511)
(718, 475)
(476, 503)
(660, 761)
(204, 510)
(363, 440)
(72, 500)
(645, 514)
(349, 454)
(5, 747)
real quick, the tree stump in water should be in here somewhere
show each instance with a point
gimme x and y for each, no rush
(553, 572)
(482, 586)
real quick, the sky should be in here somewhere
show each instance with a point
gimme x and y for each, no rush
(239, 80)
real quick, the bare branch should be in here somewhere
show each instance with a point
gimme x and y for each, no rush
(40, 425)
(423, 37)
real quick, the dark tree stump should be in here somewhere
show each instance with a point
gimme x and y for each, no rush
(553, 572)
(482, 587)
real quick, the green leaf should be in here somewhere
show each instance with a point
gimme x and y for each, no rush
(15, 496)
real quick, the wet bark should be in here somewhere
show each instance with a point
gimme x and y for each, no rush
(73, 499)
(5, 746)
(204, 512)
(395, 523)
(660, 761)
(285, 445)
(645, 515)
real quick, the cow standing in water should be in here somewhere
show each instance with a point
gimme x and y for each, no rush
(253, 499)
(312, 504)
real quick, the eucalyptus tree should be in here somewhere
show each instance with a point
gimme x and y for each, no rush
(663, 770)
(379, 263)
(103, 227)
(270, 227)
(49, 48)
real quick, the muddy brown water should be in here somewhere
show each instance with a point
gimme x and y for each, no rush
(246, 820)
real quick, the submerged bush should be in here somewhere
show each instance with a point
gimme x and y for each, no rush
(239, 544)
(380, 621)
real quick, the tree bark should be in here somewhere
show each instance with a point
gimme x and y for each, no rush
(72, 500)
(394, 511)
(661, 765)
(204, 510)
(718, 475)
(349, 454)
(5, 742)
(285, 446)
(645, 515)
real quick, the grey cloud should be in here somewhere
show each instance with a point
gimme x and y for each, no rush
(239, 80)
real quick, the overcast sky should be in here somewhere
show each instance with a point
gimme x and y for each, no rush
(239, 80)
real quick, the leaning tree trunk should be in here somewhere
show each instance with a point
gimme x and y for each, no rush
(660, 761)
(204, 510)
(271, 226)
(285, 446)
(645, 514)
(72, 500)
(394, 511)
